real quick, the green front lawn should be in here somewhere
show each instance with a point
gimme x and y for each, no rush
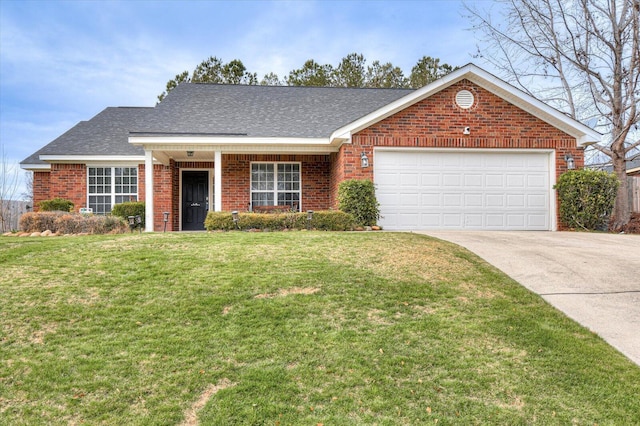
(291, 328)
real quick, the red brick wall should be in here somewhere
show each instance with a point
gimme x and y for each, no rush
(41, 187)
(69, 181)
(236, 179)
(438, 122)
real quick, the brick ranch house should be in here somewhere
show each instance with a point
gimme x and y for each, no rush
(468, 151)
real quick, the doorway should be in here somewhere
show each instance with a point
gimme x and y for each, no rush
(195, 199)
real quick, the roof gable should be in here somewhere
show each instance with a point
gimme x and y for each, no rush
(584, 135)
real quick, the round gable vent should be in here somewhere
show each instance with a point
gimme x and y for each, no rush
(464, 99)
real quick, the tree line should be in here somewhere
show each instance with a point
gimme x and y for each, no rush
(351, 71)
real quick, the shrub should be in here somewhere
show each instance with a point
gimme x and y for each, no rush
(56, 205)
(358, 197)
(129, 208)
(71, 223)
(332, 220)
(586, 198)
(322, 220)
(39, 221)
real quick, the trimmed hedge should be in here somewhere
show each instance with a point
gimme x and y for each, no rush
(72, 223)
(129, 208)
(586, 198)
(358, 197)
(56, 205)
(322, 220)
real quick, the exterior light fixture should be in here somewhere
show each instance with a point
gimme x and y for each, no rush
(189, 153)
(466, 130)
(309, 218)
(236, 218)
(166, 219)
(364, 160)
(135, 222)
(571, 164)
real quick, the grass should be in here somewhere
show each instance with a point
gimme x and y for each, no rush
(298, 328)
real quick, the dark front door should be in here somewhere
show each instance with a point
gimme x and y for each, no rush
(195, 190)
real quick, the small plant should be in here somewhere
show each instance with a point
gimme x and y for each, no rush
(586, 198)
(358, 197)
(56, 205)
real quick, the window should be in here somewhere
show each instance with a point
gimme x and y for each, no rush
(111, 185)
(275, 184)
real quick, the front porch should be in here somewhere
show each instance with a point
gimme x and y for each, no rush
(192, 184)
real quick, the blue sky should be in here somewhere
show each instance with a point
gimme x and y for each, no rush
(62, 62)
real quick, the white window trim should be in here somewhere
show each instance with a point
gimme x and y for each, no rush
(112, 193)
(275, 186)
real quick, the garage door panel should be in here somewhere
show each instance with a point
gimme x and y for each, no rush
(494, 181)
(536, 220)
(537, 181)
(449, 179)
(430, 179)
(473, 200)
(463, 190)
(515, 181)
(411, 179)
(430, 219)
(429, 199)
(452, 200)
(515, 200)
(473, 180)
(473, 220)
(516, 221)
(538, 201)
(409, 200)
(388, 179)
(452, 220)
(495, 200)
(494, 221)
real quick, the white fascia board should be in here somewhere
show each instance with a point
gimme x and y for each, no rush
(583, 134)
(634, 170)
(36, 167)
(81, 159)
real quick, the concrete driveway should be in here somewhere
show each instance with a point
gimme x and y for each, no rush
(592, 278)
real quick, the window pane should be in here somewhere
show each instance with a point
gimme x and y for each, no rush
(102, 192)
(262, 177)
(262, 199)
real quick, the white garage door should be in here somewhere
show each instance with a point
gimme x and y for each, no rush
(463, 190)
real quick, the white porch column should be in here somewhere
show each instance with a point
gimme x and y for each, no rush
(217, 181)
(148, 190)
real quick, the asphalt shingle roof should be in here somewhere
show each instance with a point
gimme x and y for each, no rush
(212, 109)
(105, 134)
(264, 111)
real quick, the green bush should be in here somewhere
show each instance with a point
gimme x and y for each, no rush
(358, 197)
(56, 205)
(322, 220)
(129, 208)
(332, 220)
(71, 223)
(586, 198)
